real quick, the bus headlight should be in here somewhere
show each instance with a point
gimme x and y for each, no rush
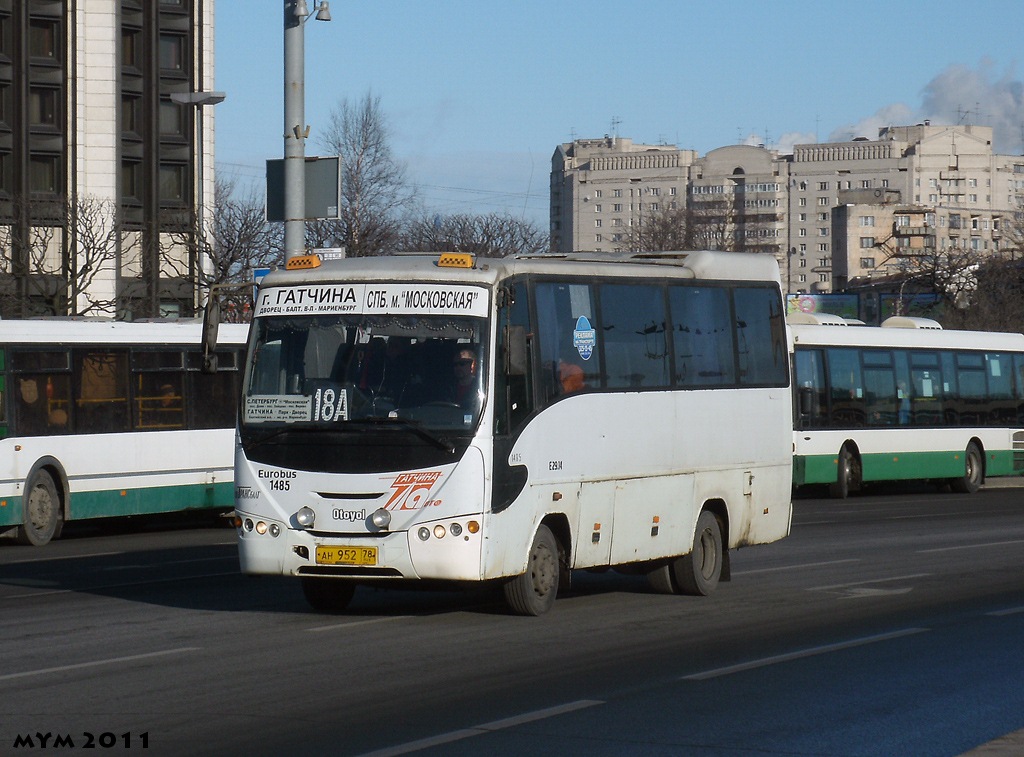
(305, 517)
(423, 533)
(381, 518)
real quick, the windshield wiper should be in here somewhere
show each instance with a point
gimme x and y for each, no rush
(415, 427)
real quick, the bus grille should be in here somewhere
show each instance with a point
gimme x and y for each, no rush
(342, 570)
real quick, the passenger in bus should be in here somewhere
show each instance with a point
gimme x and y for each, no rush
(571, 377)
(465, 392)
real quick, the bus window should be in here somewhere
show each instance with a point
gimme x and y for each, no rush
(880, 390)
(760, 337)
(102, 397)
(42, 403)
(567, 330)
(703, 336)
(926, 389)
(514, 391)
(999, 375)
(811, 399)
(634, 339)
(847, 387)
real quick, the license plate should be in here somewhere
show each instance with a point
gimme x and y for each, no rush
(346, 555)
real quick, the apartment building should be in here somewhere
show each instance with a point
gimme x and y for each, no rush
(103, 175)
(807, 207)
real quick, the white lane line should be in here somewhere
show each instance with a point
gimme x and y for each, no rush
(864, 583)
(793, 567)
(479, 730)
(971, 546)
(97, 663)
(800, 654)
(1007, 611)
(354, 623)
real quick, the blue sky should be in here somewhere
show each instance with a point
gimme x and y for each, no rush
(478, 93)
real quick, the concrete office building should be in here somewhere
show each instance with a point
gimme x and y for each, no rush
(791, 205)
(101, 171)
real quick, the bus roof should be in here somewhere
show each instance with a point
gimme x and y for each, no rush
(101, 331)
(876, 336)
(699, 264)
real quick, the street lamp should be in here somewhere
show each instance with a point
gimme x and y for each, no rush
(296, 14)
(198, 100)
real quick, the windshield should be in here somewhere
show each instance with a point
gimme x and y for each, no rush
(339, 371)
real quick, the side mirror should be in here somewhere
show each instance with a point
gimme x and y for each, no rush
(211, 323)
(515, 351)
(806, 401)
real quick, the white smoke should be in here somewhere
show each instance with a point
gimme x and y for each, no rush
(957, 95)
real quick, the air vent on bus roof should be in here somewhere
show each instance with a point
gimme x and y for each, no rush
(800, 318)
(909, 322)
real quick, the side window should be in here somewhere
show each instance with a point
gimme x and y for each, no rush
(101, 399)
(215, 395)
(847, 388)
(702, 336)
(760, 337)
(513, 372)
(926, 389)
(880, 390)
(568, 339)
(999, 371)
(158, 380)
(811, 399)
(633, 336)
(40, 392)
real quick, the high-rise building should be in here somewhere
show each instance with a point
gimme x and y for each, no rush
(830, 212)
(103, 174)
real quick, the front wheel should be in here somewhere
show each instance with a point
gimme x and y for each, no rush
(42, 516)
(328, 595)
(533, 592)
(698, 573)
(974, 471)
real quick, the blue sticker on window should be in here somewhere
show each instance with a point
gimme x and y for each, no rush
(584, 337)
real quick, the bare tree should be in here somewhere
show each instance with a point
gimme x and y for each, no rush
(374, 188)
(698, 226)
(62, 259)
(492, 235)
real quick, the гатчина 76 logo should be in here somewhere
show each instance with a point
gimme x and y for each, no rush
(412, 490)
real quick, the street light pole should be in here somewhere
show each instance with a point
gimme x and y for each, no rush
(296, 13)
(199, 100)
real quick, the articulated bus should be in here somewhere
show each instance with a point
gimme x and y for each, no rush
(904, 401)
(454, 419)
(104, 419)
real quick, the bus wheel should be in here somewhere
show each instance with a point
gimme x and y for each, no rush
(330, 595)
(970, 482)
(698, 572)
(660, 579)
(533, 593)
(43, 519)
(846, 475)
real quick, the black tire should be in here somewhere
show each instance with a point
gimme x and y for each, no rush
(42, 516)
(328, 595)
(974, 471)
(534, 592)
(661, 580)
(698, 573)
(846, 475)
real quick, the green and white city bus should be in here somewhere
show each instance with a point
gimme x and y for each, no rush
(104, 419)
(906, 400)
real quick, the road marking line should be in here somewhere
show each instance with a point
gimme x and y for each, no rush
(354, 623)
(800, 654)
(793, 567)
(479, 730)
(971, 546)
(862, 583)
(1008, 611)
(97, 663)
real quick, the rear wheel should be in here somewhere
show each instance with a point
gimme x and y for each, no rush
(42, 517)
(329, 595)
(846, 475)
(974, 471)
(698, 573)
(534, 592)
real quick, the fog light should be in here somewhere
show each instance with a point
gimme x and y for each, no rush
(439, 531)
(381, 518)
(455, 528)
(305, 517)
(423, 533)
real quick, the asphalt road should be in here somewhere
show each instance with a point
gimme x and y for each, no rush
(886, 624)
